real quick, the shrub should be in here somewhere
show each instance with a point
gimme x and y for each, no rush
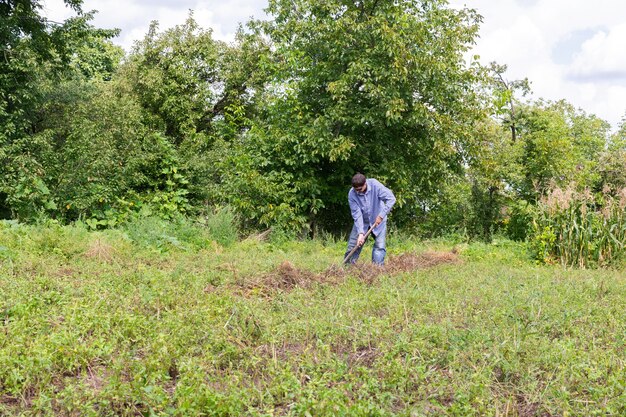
(183, 233)
(221, 224)
(518, 223)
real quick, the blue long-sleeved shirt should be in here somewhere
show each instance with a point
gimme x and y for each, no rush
(376, 201)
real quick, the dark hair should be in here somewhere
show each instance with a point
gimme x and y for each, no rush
(358, 180)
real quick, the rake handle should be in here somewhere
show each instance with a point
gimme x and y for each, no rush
(349, 255)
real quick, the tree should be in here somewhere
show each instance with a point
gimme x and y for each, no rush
(186, 80)
(37, 54)
(561, 145)
(550, 144)
(495, 164)
(371, 86)
(198, 92)
(176, 78)
(505, 103)
(612, 164)
(31, 45)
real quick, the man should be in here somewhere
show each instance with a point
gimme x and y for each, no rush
(370, 202)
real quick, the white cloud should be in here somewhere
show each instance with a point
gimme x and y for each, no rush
(529, 36)
(133, 17)
(602, 56)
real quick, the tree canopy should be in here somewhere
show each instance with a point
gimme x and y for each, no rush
(377, 87)
(276, 122)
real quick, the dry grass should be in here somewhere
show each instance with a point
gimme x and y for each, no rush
(100, 250)
(286, 276)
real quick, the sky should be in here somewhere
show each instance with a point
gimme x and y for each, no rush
(568, 49)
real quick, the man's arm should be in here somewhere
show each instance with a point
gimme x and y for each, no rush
(388, 199)
(357, 215)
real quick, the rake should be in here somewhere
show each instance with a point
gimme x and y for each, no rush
(349, 255)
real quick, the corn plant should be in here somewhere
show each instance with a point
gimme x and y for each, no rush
(580, 229)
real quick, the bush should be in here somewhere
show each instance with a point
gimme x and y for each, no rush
(221, 225)
(518, 223)
(183, 233)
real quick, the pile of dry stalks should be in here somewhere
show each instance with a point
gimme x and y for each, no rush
(287, 277)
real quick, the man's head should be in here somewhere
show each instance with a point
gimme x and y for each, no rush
(358, 183)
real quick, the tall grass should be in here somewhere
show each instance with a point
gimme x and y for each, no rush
(580, 229)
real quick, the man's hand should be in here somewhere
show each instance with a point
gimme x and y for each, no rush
(360, 240)
(378, 221)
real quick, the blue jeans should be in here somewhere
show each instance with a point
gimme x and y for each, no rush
(378, 251)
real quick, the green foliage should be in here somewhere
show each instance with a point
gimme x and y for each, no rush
(94, 56)
(118, 167)
(102, 139)
(476, 204)
(23, 26)
(219, 225)
(448, 212)
(199, 93)
(38, 56)
(560, 146)
(505, 102)
(94, 323)
(377, 87)
(176, 78)
(519, 218)
(159, 181)
(551, 144)
(486, 213)
(612, 162)
(267, 198)
(186, 81)
(579, 230)
(29, 197)
(274, 124)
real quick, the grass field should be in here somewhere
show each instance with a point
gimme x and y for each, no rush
(156, 320)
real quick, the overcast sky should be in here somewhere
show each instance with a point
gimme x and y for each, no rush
(568, 49)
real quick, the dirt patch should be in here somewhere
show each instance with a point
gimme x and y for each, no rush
(359, 356)
(96, 377)
(6, 399)
(65, 273)
(22, 401)
(286, 276)
(210, 288)
(527, 408)
(283, 352)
